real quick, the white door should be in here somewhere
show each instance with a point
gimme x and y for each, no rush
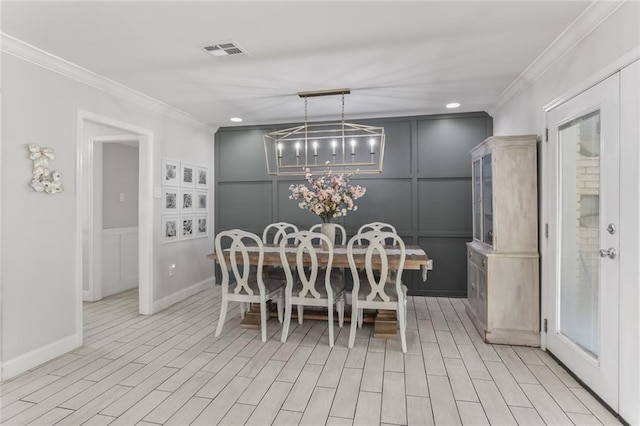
(582, 273)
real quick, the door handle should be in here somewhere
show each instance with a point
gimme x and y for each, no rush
(610, 252)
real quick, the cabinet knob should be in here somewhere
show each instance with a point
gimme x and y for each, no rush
(484, 262)
(470, 254)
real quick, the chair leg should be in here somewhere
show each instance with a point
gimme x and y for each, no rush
(243, 310)
(263, 319)
(223, 314)
(287, 320)
(340, 306)
(300, 313)
(330, 319)
(403, 326)
(280, 305)
(360, 317)
(354, 324)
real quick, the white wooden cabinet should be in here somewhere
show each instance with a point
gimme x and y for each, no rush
(503, 276)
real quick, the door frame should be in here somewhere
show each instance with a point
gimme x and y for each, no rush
(94, 219)
(145, 207)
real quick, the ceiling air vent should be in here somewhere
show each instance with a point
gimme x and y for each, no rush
(227, 48)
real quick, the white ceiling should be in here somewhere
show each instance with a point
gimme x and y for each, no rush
(398, 58)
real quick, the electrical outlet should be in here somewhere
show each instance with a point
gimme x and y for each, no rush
(122, 197)
(172, 269)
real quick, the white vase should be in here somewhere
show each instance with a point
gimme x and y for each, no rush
(328, 229)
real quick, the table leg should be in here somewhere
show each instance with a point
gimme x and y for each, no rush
(386, 324)
(252, 318)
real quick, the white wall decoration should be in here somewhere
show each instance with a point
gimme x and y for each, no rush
(202, 177)
(43, 179)
(187, 201)
(171, 228)
(202, 201)
(170, 200)
(170, 172)
(188, 175)
(202, 225)
(186, 227)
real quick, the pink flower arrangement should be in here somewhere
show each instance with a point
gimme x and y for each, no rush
(330, 195)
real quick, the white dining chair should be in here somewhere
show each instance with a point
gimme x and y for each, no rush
(249, 285)
(373, 291)
(315, 283)
(279, 230)
(340, 228)
(377, 226)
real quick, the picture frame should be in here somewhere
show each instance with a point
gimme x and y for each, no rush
(186, 227)
(201, 225)
(202, 201)
(202, 177)
(170, 200)
(187, 201)
(187, 175)
(171, 172)
(170, 228)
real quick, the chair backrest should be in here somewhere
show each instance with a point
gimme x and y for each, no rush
(374, 250)
(241, 270)
(378, 227)
(307, 262)
(280, 228)
(343, 232)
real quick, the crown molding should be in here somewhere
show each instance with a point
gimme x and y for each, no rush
(36, 56)
(597, 12)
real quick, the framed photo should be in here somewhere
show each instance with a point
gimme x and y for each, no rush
(202, 201)
(188, 175)
(170, 200)
(186, 227)
(170, 228)
(187, 201)
(202, 177)
(202, 225)
(170, 172)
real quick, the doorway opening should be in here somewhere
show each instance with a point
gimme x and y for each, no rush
(92, 261)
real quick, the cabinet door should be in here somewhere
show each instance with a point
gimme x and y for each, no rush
(481, 308)
(472, 284)
(487, 200)
(477, 201)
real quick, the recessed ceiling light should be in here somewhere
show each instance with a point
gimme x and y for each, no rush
(453, 105)
(236, 119)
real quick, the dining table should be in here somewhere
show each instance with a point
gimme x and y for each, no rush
(385, 322)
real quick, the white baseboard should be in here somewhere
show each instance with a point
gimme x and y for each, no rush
(22, 363)
(86, 296)
(178, 296)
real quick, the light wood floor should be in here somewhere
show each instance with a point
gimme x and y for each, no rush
(169, 369)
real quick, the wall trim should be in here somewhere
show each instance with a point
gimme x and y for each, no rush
(178, 296)
(37, 56)
(581, 27)
(24, 362)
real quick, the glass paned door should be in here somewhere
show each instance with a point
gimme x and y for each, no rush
(477, 200)
(579, 145)
(580, 261)
(487, 200)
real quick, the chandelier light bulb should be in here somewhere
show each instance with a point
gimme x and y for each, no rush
(280, 150)
(297, 149)
(315, 148)
(353, 146)
(333, 147)
(372, 142)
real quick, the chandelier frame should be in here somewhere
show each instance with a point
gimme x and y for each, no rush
(316, 146)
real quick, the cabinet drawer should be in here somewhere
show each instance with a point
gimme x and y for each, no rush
(478, 258)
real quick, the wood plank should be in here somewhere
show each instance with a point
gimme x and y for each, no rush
(445, 410)
(261, 384)
(94, 406)
(269, 407)
(368, 408)
(509, 388)
(475, 366)
(287, 418)
(137, 412)
(515, 365)
(303, 388)
(394, 402)
(344, 404)
(558, 391)
(332, 370)
(373, 372)
(167, 408)
(460, 381)
(188, 412)
(318, 408)
(550, 412)
(493, 403)
(294, 366)
(218, 408)
(527, 416)
(238, 414)
(415, 376)
(472, 413)
(419, 411)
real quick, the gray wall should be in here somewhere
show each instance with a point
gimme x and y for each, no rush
(120, 175)
(424, 190)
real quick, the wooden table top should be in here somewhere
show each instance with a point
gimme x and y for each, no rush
(415, 259)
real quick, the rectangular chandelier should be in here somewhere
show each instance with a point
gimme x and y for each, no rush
(345, 147)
